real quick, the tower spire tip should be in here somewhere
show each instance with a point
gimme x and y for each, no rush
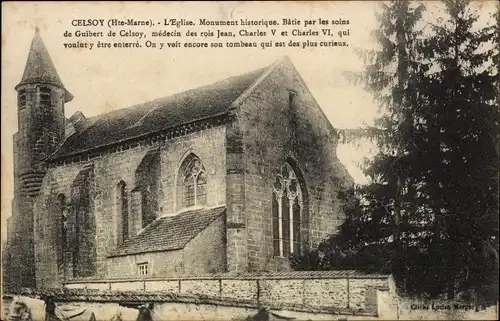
(37, 30)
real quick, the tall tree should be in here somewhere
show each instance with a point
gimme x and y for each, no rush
(393, 77)
(463, 163)
(430, 213)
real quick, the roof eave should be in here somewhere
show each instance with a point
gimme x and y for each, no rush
(67, 95)
(55, 156)
(180, 246)
(118, 254)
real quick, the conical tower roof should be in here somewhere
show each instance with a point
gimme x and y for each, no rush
(40, 68)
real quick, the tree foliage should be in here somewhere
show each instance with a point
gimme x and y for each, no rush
(430, 213)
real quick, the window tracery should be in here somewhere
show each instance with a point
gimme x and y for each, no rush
(194, 183)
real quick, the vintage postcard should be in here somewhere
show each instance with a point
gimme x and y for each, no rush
(286, 160)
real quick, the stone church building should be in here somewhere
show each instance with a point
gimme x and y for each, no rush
(230, 177)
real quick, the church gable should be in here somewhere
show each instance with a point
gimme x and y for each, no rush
(292, 176)
(281, 84)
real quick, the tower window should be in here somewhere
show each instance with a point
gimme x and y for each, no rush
(45, 95)
(287, 207)
(21, 99)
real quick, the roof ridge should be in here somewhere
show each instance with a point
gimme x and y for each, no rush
(169, 112)
(184, 92)
(264, 71)
(258, 81)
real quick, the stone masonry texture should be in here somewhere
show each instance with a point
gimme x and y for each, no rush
(309, 143)
(274, 121)
(40, 130)
(312, 292)
(111, 169)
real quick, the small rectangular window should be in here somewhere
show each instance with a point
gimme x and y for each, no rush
(142, 269)
(21, 99)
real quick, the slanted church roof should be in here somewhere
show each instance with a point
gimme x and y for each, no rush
(170, 232)
(160, 114)
(39, 67)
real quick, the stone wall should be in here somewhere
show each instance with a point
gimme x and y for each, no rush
(305, 295)
(159, 263)
(109, 170)
(205, 253)
(297, 289)
(107, 304)
(40, 130)
(280, 121)
(236, 232)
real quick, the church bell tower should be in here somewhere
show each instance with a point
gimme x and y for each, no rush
(40, 111)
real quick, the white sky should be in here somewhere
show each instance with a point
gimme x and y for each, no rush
(104, 80)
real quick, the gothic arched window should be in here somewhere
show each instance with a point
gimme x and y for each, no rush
(148, 187)
(84, 246)
(192, 182)
(122, 211)
(45, 96)
(21, 99)
(62, 211)
(287, 206)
